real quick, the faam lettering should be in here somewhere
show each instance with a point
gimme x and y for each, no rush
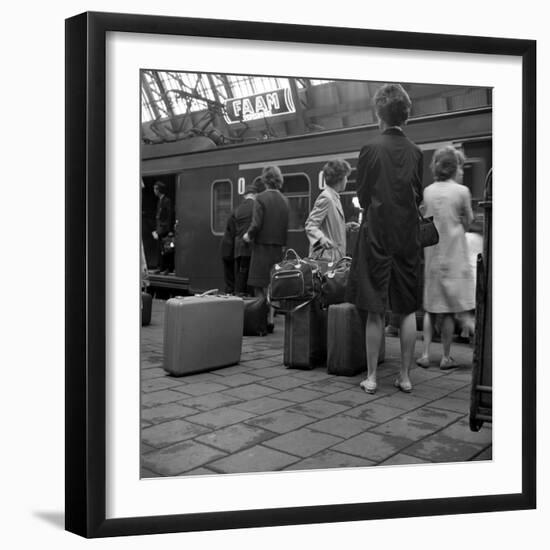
(257, 106)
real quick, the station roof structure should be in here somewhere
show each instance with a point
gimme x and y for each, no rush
(226, 109)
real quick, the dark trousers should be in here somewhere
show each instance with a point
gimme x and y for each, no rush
(166, 260)
(242, 267)
(229, 275)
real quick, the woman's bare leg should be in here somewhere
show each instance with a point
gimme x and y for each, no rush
(447, 329)
(408, 340)
(373, 336)
(427, 330)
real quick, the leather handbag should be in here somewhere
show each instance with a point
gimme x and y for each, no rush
(333, 286)
(168, 244)
(293, 279)
(428, 233)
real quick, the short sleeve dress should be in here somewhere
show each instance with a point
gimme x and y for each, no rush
(449, 285)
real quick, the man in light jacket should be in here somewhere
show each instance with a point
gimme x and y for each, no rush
(326, 224)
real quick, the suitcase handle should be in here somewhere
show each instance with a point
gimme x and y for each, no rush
(209, 292)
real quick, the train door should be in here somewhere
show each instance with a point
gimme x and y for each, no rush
(148, 214)
(205, 198)
(297, 189)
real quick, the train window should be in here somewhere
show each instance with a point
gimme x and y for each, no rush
(221, 205)
(296, 188)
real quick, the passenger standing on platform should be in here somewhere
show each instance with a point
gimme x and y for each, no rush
(163, 220)
(326, 224)
(449, 284)
(243, 250)
(227, 250)
(267, 232)
(386, 267)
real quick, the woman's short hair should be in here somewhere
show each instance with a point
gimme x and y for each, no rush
(392, 104)
(335, 170)
(257, 186)
(445, 162)
(272, 177)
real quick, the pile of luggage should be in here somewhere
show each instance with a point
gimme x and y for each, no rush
(321, 329)
(204, 332)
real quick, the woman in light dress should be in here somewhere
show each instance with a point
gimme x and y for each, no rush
(449, 286)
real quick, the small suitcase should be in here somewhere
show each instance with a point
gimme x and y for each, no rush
(146, 306)
(346, 347)
(255, 316)
(305, 338)
(202, 333)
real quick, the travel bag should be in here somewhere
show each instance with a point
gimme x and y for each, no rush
(305, 337)
(255, 316)
(346, 347)
(334, 283)
(320, 263)
(294, 279)
(146, 307)
(202, 333)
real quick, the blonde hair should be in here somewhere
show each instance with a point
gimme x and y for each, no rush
(445, 162)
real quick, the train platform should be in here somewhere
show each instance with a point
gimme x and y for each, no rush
(261, 416)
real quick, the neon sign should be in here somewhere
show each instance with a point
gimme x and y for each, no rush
(258, 106)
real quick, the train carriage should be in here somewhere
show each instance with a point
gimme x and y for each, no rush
(207, 185)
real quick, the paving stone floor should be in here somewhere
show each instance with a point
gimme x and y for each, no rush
(260, 416)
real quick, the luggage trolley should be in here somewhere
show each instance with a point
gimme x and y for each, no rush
(481, 397)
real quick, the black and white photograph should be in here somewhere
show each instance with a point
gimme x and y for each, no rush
(316, 273)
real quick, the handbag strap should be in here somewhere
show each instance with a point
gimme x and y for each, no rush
(420, 216)
(288, 250)
(318, 253)
(293, 310)
(341, 261)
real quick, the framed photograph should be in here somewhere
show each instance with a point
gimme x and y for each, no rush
(197, 398)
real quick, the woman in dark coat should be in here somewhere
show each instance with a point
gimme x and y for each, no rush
(386, 265)
(267, 232)
(243, 250)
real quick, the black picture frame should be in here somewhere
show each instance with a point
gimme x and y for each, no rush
(86, 263)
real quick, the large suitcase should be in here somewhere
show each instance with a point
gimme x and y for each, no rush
(305, 338)
(346, 347)
(146, 307)
(255, 316)
(202, 333)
